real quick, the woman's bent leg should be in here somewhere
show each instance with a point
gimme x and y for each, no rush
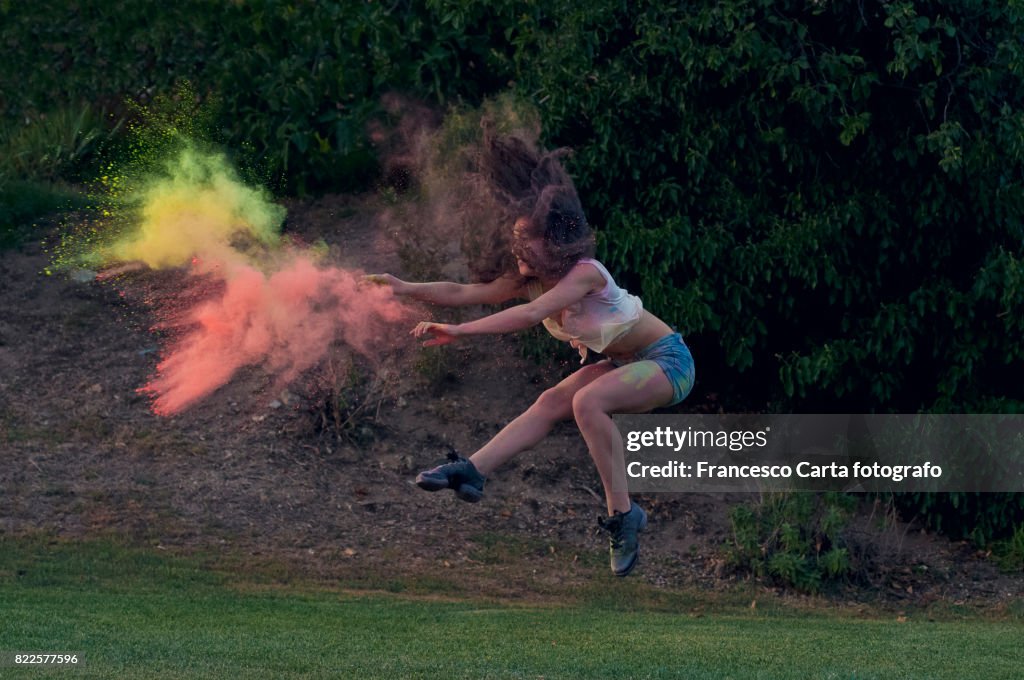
(526, 431)
(635, 388)
(467, 477)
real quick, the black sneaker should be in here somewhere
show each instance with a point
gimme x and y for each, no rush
(623, 528)
(460, 474)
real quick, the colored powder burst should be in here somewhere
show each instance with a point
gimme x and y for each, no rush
(158, 144)
(197, 207)
(276, 307)
(169, 202)
(286, 321)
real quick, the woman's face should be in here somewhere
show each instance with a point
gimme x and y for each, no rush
(526, 249)
(526, 254)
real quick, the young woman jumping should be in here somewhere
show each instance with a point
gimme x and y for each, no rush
(647, 364)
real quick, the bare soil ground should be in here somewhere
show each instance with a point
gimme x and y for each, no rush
(250, 475)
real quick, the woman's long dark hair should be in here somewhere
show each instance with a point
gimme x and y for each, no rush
(533, 185)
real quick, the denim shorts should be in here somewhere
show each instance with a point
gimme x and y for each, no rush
(674, 359)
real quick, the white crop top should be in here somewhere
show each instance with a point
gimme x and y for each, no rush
(595, 321)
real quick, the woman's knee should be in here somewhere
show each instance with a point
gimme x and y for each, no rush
(586, 404)
(554, 404)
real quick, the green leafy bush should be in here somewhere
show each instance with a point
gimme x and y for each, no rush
(1010, 552)
(295, 83)
(980, 517)
(794, 538)
(54, 145)
(59, 52)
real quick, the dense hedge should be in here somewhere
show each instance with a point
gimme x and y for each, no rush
(55, 52)
(294, 82)
(832, 193)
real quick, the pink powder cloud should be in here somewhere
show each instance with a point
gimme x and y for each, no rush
(286, 321)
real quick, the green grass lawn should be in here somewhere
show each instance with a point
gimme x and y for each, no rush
(140, 614)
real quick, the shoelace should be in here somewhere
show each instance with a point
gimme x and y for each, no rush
(613, 525)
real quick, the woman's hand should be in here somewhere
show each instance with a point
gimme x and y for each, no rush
(397, 285)
(442, 333)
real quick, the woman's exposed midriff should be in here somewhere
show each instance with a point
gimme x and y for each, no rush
(647, 330)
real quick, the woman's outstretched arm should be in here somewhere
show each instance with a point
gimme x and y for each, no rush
(449, 294)
(577, 283)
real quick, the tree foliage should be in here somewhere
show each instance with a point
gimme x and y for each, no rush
(831, 193)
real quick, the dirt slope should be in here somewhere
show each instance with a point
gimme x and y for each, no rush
(249, 472)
